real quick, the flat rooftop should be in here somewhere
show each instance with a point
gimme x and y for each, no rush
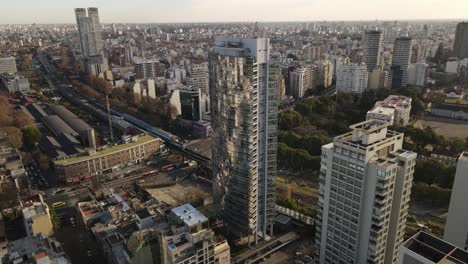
(464, 156)
(189, 215)
(436, 249)
(395, 101)
(382, 110)
(141, 140)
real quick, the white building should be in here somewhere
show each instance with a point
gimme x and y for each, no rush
(456, 226)
(244, 120)
(297, 82)
(401, 106)
(452, 65)
(424, 248)
(7, 65)
(365, 185)
(352, 78)
(190, 239)
(417, 73)
(381, 113)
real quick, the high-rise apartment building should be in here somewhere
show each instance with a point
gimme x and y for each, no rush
(298, 82)
(90, 33)
(7, 65)
(244, 120)
(365, 185)
(372, 48)
(147, 69)
(460, 47)
(417, 73)
(401, 60)
(352, 78)
(198, 78)
(456, 226)
(325, 73)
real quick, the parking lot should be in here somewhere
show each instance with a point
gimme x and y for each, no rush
(37, 181)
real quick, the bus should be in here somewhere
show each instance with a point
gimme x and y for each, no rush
(167, 167)
(58, 204)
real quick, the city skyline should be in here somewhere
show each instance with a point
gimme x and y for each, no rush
(185, 11)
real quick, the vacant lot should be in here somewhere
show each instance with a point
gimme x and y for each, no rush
(449, 128)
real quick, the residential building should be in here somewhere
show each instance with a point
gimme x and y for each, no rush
(352, 78)
(375, 77)
(191, 240)
(401, 58)
(424, 248)
(298, 82)
(37, 219)
(325, 73)
(92, 48)
(108, 159)
(147, 69)
(381, 113)
(198, 78)
(372, 48)
(460, 46)
(417, 73)
(244, 120)
(365, 185)
(35, 249)
(456, 226)
(400, 115)
(7, 65)
(190, 104)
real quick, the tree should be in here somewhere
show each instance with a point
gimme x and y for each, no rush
(289, 119)
(13, 136)
(31, 136)
(21, 119)
(6, 118)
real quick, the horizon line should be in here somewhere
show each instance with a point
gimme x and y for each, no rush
(253, 21)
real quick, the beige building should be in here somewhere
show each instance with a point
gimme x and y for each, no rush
(365, 185)
(456, 226)
(37, 219)
(72, 169)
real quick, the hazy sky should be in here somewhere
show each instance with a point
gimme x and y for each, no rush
(61, 11)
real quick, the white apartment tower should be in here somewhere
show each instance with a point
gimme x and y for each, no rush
(244, 120)
(365, 185)
(298, 82)
(90, 33)
(352, 78)
(372, 48)
(456, 226)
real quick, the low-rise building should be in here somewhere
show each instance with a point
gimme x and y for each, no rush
(424, 248)
(37, 219)
(455, 111)
(111, 158)
(381, 113)
(15, 83)
(394, 108)
(35, 249)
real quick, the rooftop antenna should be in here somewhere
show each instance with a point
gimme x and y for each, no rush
(110, 119)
